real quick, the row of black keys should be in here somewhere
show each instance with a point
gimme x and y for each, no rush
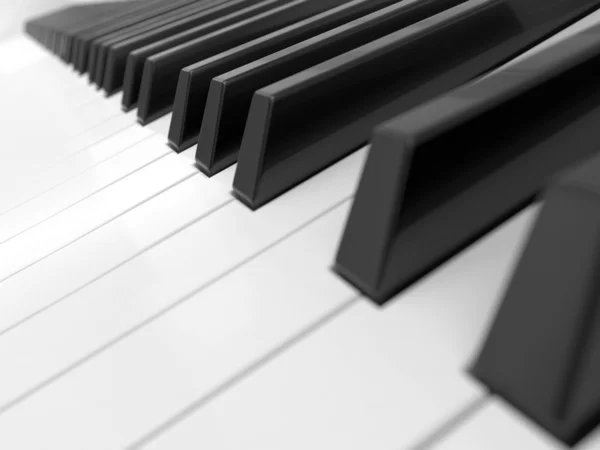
(286, 88)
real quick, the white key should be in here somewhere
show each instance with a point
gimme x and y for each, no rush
(84, 217)
(32, 181)
(33, 118)
(497, 426)
(111, 245)
(19, 53)
(212, 336)
(158, 278)
(591, 442)
(161, 126)
(75, 190)
(371, 378)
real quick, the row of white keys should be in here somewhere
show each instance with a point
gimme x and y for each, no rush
(498, 426)
(105, 141)
(47, 345)
(110, 161)
(372, 378)
(37, 141)
(51, 235)
(207, 338)
(17, 224)
(111, 245)
(18, 53)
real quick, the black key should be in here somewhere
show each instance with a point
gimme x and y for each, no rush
(86, 37)
(222, 124)
(103, 47)
(53, 27)
(296, 115)
(161, 71)
(300, 125)
(543, 351)
(94, 57)
(94, 14)
(136, 59)
(82, 36)
(98, 45)
(442, 175)
(118, 53)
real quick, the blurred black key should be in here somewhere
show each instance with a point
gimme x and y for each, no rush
(81, 33)
(543, 351)
(159, 81)
(127, 40)
(86, 37)
(442, 175)
(94, 14)
(118, 53)
(97, 59)
(98, 46)
(78, 32)
(222, 124)
(300, 125)
(135, 60)
(52, 29)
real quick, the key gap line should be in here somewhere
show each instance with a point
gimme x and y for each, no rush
(65, 297)
(112, 219)
(39, 194)
(434, 438)
(82, 200)
(88, 146)
(245, 373)
(162, 312)
(102, 122)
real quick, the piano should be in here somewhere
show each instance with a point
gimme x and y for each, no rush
(301, 224)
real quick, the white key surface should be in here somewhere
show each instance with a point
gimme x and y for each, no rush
(152, 283)
(65, 195)
(371, 378)
(498, 426)
(111, 245)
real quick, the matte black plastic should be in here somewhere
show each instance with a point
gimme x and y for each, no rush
(153, 9)
(117, 54)
(159, 80)
(226, 15)
(221, 127)
(542, 353)
(316, 117)
(99, 49)
(442, 175)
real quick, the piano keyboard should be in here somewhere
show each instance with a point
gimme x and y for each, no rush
(293, 224)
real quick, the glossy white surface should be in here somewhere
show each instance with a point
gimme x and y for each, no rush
(135, 292)
(372, 378)
(92, 255)
(82, 218)
(52, 202)
(29, 182)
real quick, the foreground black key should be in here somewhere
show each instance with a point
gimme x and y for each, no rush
(300, 125)
(543, 351)
(232, 12)
(222, 125)
(161, 71)
(442, 175)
